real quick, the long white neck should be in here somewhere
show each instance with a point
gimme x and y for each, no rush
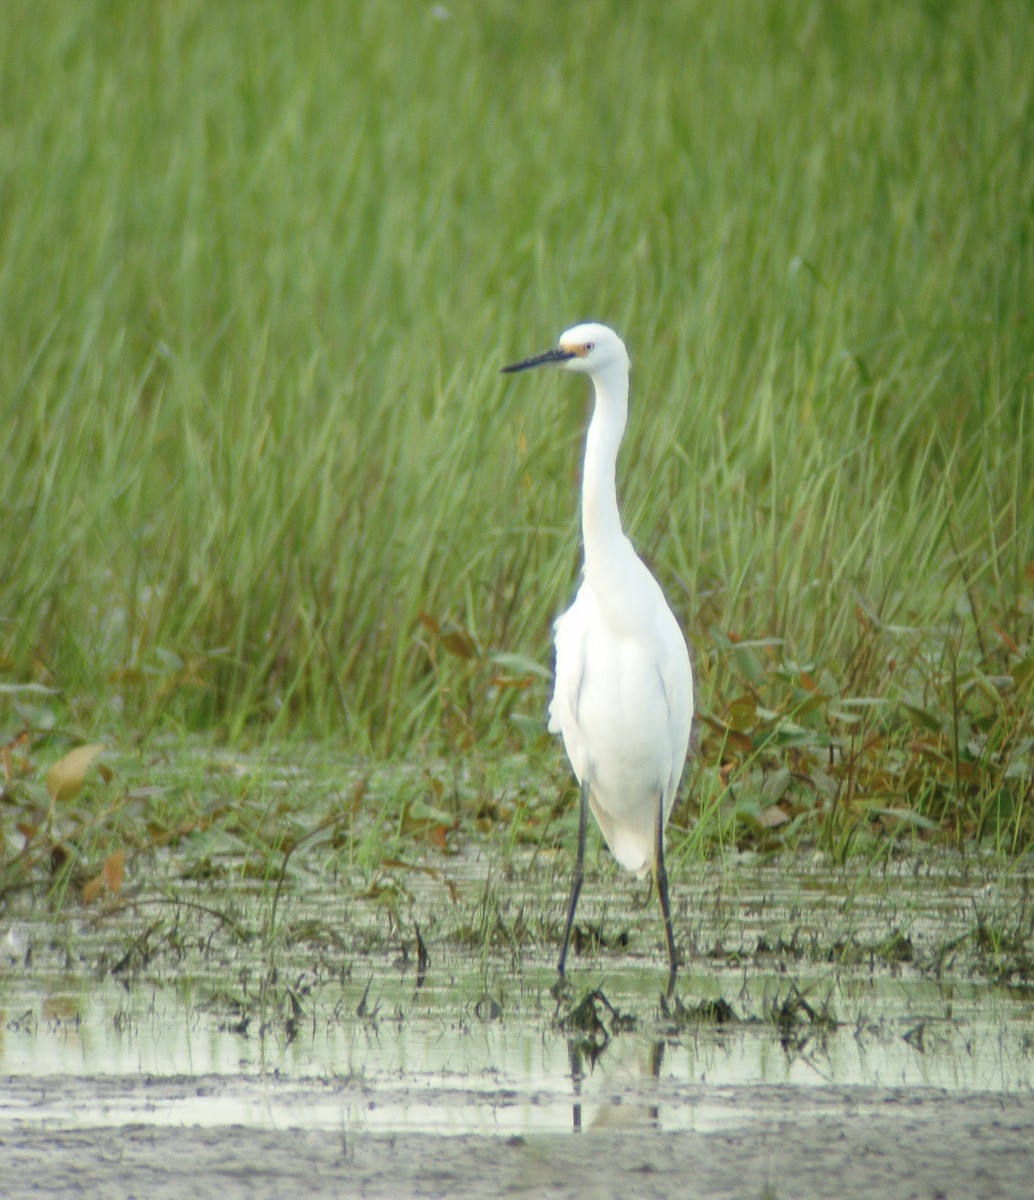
(601, 522)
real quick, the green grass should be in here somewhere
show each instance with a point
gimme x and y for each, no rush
(259, 268)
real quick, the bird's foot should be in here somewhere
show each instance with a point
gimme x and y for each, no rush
(562, 988)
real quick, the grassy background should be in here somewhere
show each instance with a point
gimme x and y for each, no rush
(259, 268)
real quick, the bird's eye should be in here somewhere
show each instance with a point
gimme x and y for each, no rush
(589, 346)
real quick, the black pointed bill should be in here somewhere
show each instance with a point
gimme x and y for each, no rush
(556, 355)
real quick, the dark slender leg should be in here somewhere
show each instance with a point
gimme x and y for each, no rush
(656, 1058)
(579, 873)
(661, 875)
(577, 1075)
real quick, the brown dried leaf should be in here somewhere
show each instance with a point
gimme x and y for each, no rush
(65, 777)
(355, 801)
(114, 865)
(92, 889)
(460, 642)
(503, 681)
(7, 756)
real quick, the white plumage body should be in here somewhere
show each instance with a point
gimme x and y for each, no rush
(623, 703)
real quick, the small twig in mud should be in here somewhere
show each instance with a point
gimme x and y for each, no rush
(326, 823)
(362, 1011)
(245, 935)
(139, 948)
(293, 1022)
(423, 959)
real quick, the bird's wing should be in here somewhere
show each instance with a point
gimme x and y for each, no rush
(677, 681)
(569, 638)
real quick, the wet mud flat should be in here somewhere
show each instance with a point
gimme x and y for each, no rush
(834, 1033)
(764, 1142)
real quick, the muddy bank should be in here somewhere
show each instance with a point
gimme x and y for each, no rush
(751, 1142)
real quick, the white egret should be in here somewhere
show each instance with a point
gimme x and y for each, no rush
(623, 696)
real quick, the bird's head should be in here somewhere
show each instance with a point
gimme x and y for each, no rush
(590, 349)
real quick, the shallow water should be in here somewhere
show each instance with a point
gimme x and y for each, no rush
(895, 996)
